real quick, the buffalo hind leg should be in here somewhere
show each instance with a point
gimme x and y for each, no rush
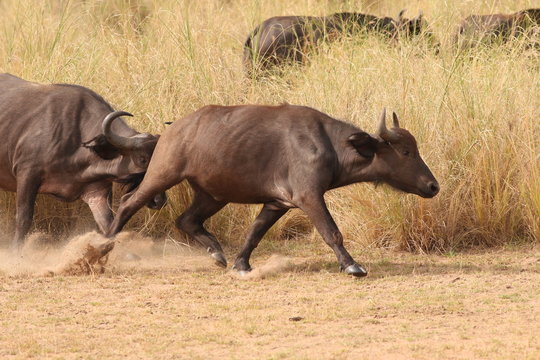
(264, 221)
(27, 189)
(316, 210)
(191, 222)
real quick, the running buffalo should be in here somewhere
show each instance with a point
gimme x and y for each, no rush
(281, 156)
(66, 141)
(504, 27)
(283, 39)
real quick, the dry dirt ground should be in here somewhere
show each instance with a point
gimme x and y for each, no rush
(173, 303)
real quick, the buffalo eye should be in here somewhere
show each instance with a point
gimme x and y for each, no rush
(143, 160)
(406, 153)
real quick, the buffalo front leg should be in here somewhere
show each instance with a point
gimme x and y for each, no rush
(192, 220)
(99, 202)
(264, 221)
(131, 203)
(316, 210)
(27, 189)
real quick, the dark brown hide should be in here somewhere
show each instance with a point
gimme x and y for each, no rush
(503, 27)
(281, 156)
(282, 39)
(52, 143)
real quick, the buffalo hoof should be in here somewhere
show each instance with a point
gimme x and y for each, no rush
(355, 270)
(243, 272)
(241, 269)
(106, 248)
(219, 258)
(158, 202)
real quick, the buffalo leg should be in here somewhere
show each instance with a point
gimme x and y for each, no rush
(99, 202)
(27, 189)
(192, 220)
(264, 221)
(316, 210)
(131, 203)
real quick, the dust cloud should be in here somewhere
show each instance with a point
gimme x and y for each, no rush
(135, 253)
(275, 265)
(42, 255)
(83, 255)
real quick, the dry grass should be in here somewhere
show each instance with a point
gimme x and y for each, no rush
(174, 304)
(475, 113)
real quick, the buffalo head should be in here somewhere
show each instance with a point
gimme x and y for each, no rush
(135, 152)
(410, 27)
(138, 148)
(395, 159)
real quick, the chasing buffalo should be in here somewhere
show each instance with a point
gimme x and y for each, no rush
(282, 39)
(280, 156)
(68, 142)
(503, 27)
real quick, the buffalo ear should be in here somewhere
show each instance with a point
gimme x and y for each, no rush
(102, 148)
(365, 144)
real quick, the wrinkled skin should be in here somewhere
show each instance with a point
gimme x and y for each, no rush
(280, 156)
(476, 28)
(52, 143)
(283, 39)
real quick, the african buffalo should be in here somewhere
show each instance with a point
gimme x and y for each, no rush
(66, 141)
(283, 39)
(477, 28)
(281, 156)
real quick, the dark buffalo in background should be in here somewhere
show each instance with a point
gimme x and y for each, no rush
(281, 156)
(66, 141)
(282, 39)
(475, 29)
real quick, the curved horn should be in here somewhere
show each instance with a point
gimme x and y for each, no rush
(383, 132)
(121, 142)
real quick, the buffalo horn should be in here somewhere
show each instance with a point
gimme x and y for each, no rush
(395, 120)
(400, 15)
(120, 142)
(418, 18)
(383, 132)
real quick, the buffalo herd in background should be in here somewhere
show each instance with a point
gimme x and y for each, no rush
(68, 142)
(282, 39)
(286, 39)
(502, 26)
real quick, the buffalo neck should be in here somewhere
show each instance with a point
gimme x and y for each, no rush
(351, 166)
(354, 168)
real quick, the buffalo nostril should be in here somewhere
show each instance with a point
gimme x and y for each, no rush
(433, 187)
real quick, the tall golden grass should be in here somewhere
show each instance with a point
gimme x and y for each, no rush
(475, 112)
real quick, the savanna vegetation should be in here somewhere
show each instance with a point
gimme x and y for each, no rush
(473, 111)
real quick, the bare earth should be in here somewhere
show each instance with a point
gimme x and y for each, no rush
(174, 303)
